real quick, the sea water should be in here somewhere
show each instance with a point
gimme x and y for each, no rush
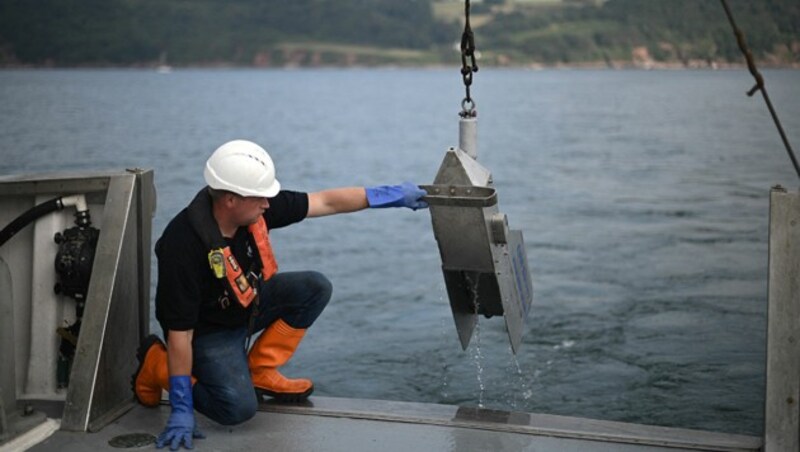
(642, 196)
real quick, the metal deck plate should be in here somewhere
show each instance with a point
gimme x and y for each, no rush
(332, 424)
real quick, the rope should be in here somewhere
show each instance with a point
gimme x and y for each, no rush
(759, 86)
(467, 70)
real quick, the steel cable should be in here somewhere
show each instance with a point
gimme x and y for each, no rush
(759, 86)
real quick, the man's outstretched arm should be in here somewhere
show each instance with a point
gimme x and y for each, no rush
(352, 199)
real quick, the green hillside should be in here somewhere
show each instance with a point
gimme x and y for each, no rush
(203, 32)
(682, 32)
(380, 32)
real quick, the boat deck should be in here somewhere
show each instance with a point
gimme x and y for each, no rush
(335, 424)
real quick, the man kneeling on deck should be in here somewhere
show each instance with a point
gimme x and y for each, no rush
(218, 283)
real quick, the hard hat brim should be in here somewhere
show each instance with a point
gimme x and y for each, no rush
(273, 191)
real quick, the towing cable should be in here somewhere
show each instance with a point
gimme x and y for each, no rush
(759, 86)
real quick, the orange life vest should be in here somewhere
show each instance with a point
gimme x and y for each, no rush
(221, 260)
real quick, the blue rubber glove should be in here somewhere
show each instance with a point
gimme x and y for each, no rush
(180, 425)
(405, 195)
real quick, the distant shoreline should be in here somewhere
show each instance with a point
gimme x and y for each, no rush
(591, 65)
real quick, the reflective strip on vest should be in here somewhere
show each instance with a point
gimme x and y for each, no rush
(237, 280)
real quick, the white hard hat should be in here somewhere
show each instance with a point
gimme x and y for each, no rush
(242, 167)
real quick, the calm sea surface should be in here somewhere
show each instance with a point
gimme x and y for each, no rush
(642, 196)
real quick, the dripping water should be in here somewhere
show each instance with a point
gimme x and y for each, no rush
(444, 389)
(477, 356)
(524, 389)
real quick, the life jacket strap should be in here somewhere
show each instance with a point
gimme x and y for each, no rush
(258, 231)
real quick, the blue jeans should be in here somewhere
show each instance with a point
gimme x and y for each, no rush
(224, 390)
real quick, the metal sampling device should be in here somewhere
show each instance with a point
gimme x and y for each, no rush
(484, 262)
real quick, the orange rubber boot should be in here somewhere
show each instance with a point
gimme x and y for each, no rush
(152, 376)
(272, 349)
